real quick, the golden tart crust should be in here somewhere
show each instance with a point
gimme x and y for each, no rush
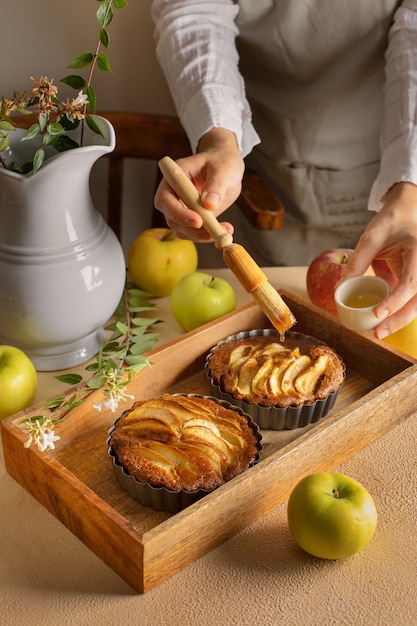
(263, 370)
(184, 443)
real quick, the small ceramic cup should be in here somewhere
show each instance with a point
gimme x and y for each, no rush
(356, 299)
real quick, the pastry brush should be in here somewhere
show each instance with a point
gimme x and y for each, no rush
(243, 266)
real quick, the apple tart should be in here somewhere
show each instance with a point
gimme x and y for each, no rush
(280, 384)
(171, 450)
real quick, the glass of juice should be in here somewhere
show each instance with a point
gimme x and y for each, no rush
(356, 299)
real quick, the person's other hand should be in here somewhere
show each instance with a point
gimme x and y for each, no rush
(392, 235)
(217, 171)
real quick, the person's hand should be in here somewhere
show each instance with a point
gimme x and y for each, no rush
(217, 172)
(392, 235)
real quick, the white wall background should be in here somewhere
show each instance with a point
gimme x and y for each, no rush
(42, 37)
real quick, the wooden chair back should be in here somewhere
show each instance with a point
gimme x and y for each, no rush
(151, 136)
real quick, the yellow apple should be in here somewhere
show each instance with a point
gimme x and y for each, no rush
(331, 515)
(157, 260)
(18, 381)
(405, 339)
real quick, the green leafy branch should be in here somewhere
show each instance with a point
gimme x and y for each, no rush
(55, 117)
(121, 357)
(105, 17)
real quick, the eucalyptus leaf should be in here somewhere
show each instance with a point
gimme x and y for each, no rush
(91, 95)
(137, 362)
(32, 132)
(103, 62)
(57, 402)
(69, 379)
(38, 159)
(63, 143)
(4, 143)
(119, 4)
(83, 60)
(95, 382)
(138, 292)
(92, 367)
(24, 168)
(74, 402)
(140, 304)
(141, 348)
(110, 347)
(55, 128)
(144, 321)
(120, 354)
(93, 125)
(6, 125)
(104, 14)
(139, 309)
(77, 82)
(141, 337)
(103, 36)
(124, 328)
(69, 124)
(43, 121)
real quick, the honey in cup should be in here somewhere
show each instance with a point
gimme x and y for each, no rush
(356, 299)
(363, 300)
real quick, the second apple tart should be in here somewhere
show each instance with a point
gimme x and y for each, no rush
(171, 450)
(280, 384)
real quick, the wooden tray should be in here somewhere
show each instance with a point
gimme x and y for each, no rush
(77, 484)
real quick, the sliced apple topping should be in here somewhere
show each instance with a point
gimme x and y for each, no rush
(154, 458)
(153, 428)
(232, 438)
(292, 371)
(307, 381)
(193, 405)
(239, 356)
(261, 377)
(246, 374)
(212, 456)
(173, 454)
(205, 423)
(277, 374)
(274, 349)
(160, 409)
(206, 435)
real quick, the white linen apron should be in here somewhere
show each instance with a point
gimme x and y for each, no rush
(314, 73)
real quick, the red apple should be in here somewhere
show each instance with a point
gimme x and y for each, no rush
(383, 270)
(324, 274)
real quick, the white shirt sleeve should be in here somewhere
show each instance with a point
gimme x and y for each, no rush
(195, 46)
(399, 132)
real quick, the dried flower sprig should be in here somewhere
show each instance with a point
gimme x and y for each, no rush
(57, 117)
(120, 358)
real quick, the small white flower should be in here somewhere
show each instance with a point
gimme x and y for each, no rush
(80, 100)
(111, 404)
(42, 434)
(48, 440)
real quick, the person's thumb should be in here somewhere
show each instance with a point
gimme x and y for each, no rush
(210, 199)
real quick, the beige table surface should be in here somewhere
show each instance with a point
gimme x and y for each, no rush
(48, 577)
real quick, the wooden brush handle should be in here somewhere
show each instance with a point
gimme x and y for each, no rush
(188, 193)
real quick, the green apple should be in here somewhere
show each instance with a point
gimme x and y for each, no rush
(331, 515)
(157, 260)
(199, 298)
(18, 381)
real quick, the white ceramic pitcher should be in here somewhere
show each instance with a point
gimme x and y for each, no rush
(62, 269)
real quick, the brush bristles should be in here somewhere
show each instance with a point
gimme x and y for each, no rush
(274, 307)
